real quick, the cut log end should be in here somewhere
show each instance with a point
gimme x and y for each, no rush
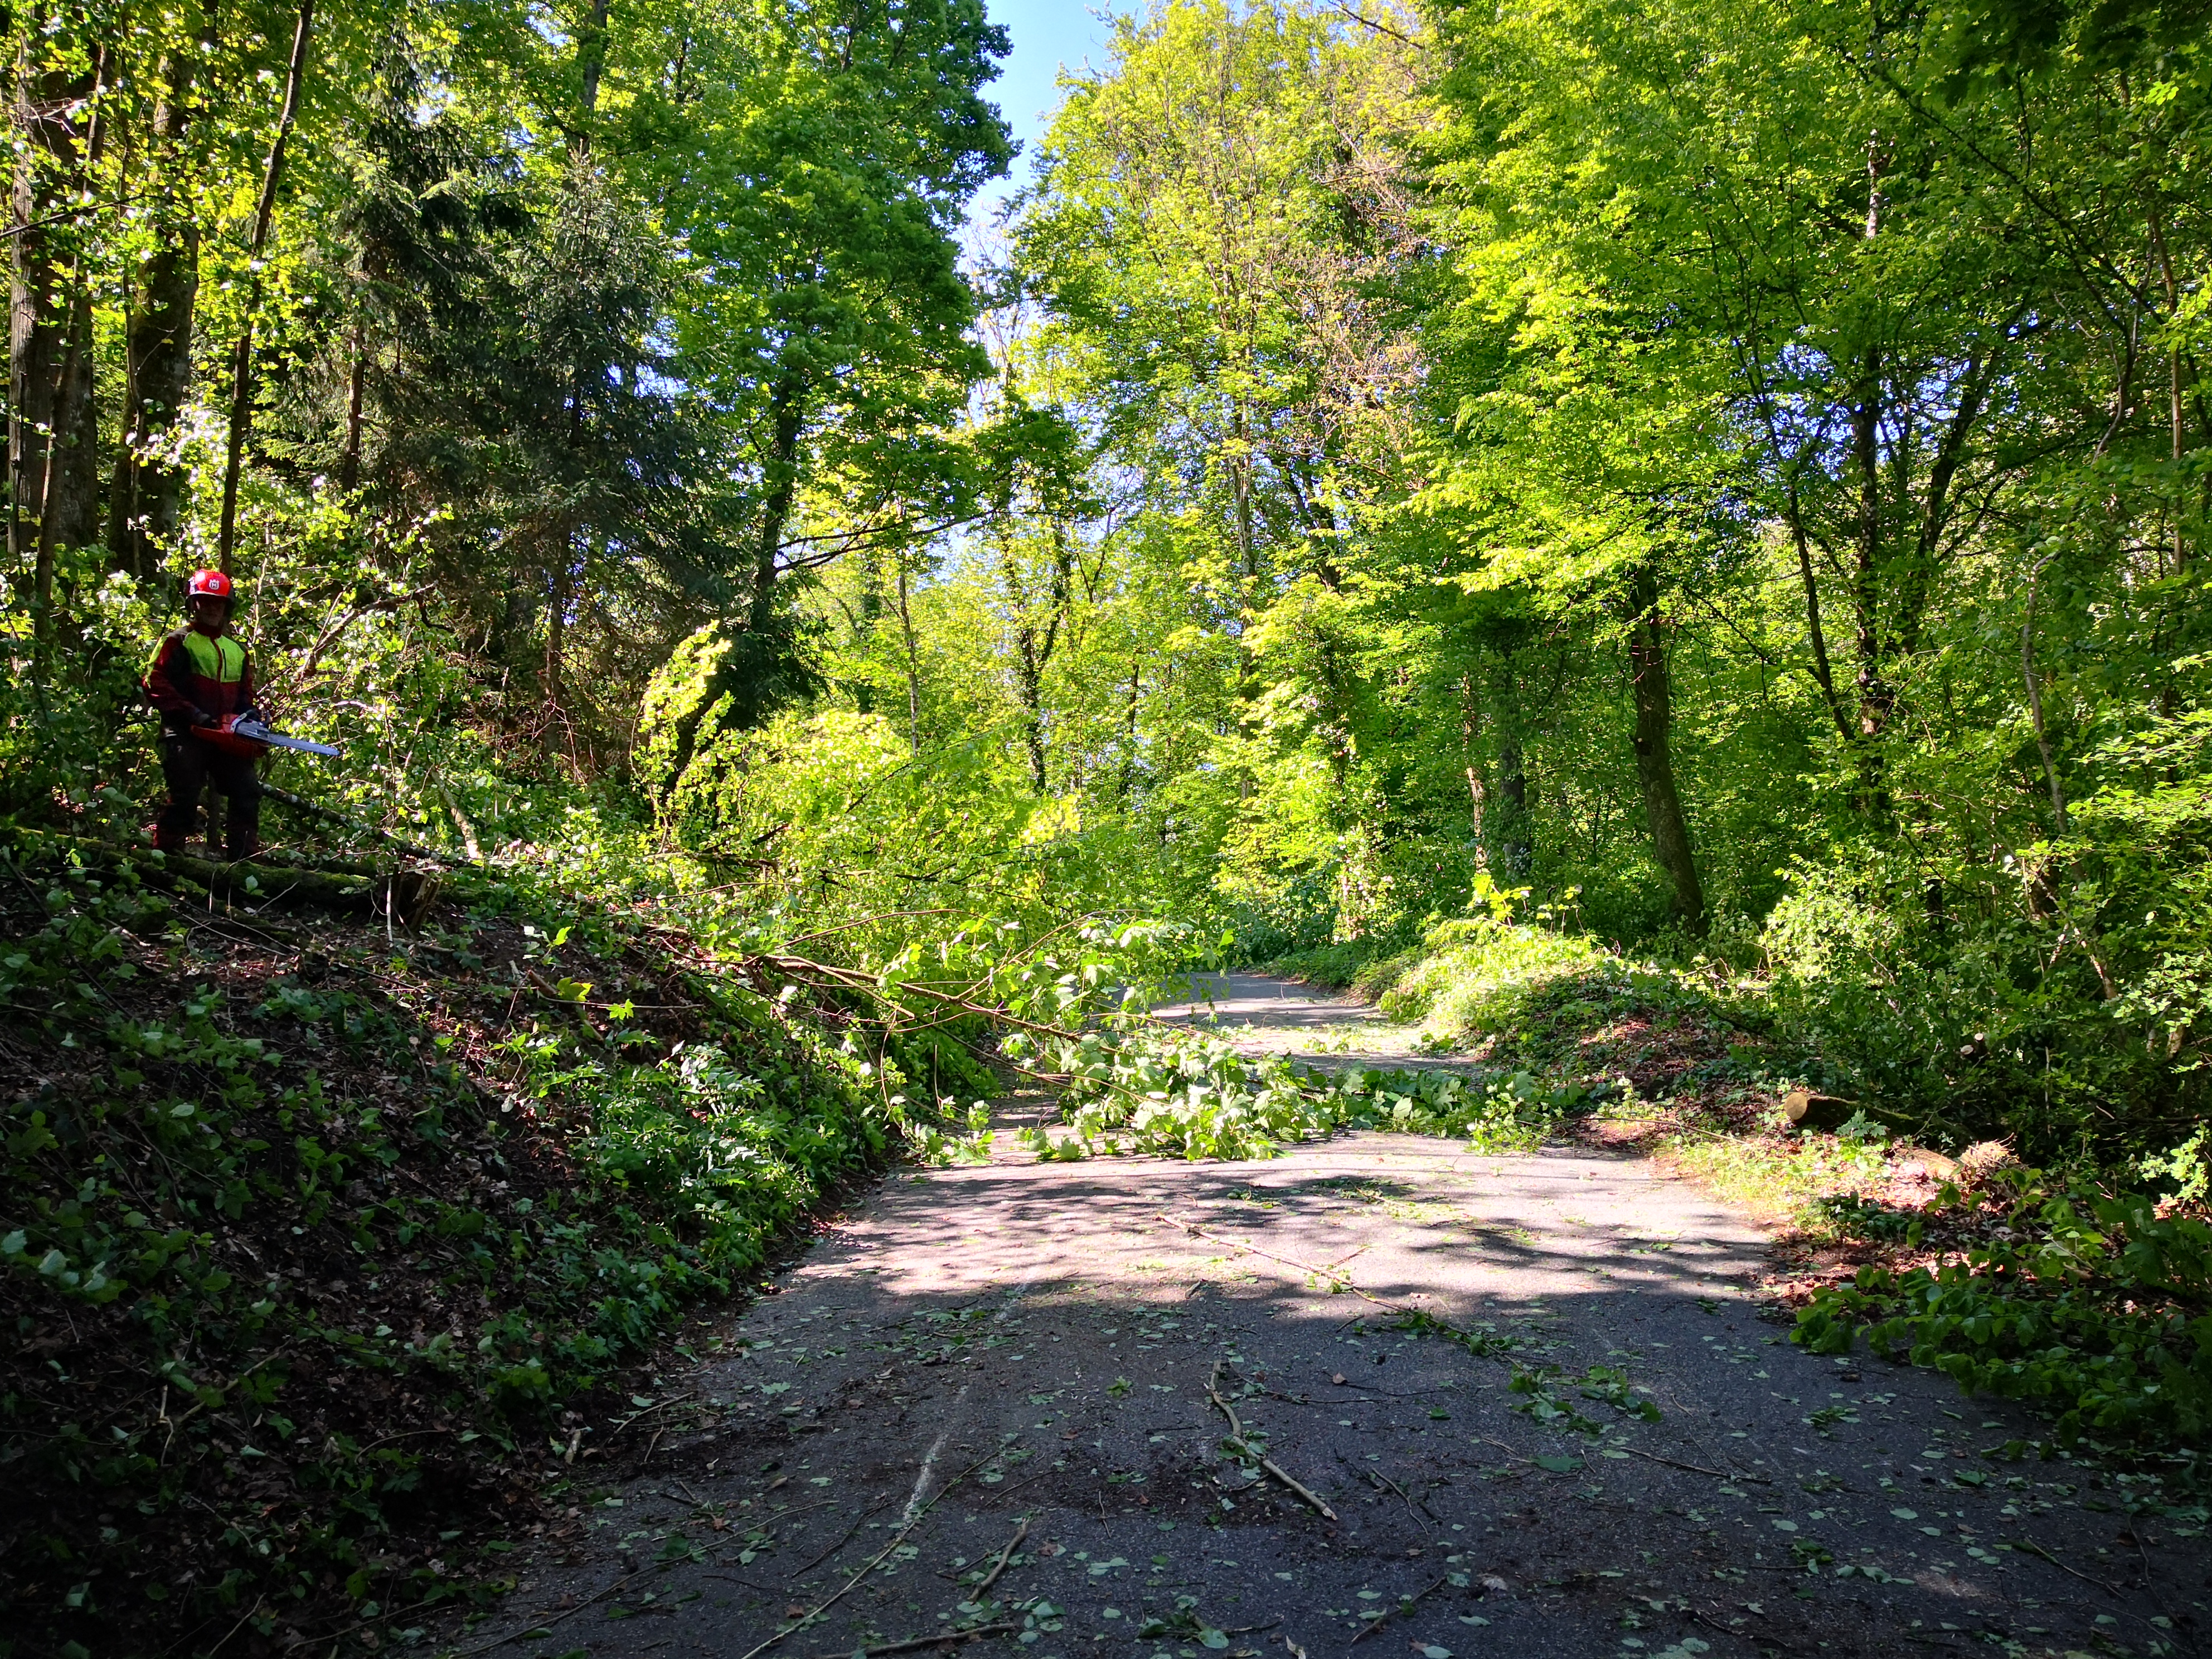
(1807, 1110)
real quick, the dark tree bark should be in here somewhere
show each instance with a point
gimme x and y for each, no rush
(49, 172)
(1033, 646)
(562, 594)
(241, 367)
(913, 662)
(788, 412)
(561, 590)
(1478, 793)
(71, 513)
(1513, 852)
(1874, 697)
(1655, 759)
(356, 388)
(148, 494)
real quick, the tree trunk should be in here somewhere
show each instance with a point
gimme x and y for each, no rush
(69, 513)
(591, 61)
(48, 173)
(1875, 696)
(357, 385)
(149, 490)
(1470, 721)
(1655, 759)
(556, 618)
(1129, 732)
(241, 368)
(1031, 676)
(913, 663)
(1509, 819)
(789, 412)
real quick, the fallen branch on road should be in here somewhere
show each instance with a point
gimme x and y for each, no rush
(943, 1638)
(999, 1565)
(1237, 1438)
(2034, 1548)
(1388, 1614)
(873, 1562)
(1693, 1468)
(801, 1572)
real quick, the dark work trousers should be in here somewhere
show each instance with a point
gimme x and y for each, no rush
(189, 766)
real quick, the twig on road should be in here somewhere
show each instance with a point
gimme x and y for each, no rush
(944, 1638)
(1388, 1614)
(872, 1562)
(1334, 1278)
(565, 1613)
(673, 1400)
(800, 1572)
(1671, 1463)
(1762, 1639)
(999, 1565)
(1236, 1436)
(2034, 1548)
(1418, 1509)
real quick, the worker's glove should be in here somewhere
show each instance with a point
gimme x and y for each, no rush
(202, 717)
(251, 712)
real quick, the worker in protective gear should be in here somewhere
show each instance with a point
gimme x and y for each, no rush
(201, 680)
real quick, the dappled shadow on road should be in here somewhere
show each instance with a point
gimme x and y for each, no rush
(1234, 999)
(1590, 1429)
(1329, 1033)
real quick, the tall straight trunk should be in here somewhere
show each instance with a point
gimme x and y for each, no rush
(592, 63)
(49, 172)
(356, 386)
(70, 512)
(1129, 706)
(1508, 819)
(148, 495)
(241, 367)
(789, 414)
(1478, 793)
(591, 54)
(556, 619)
(70, 515)
(1655, 757)
(913, 663)
(2175, 425)
(1030, 679)
(1033, 650)
(1875, 698)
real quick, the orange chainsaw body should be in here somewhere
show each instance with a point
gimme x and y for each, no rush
(221, 736)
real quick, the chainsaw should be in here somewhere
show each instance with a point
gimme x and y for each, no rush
(237, 735)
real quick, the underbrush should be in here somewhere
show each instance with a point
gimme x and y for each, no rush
(313, 1241)
(1334, 967)
(1480, 975)
(1794, 1179)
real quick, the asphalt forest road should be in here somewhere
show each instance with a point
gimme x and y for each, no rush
(1019, 1353)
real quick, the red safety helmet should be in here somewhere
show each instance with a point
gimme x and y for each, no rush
(208, 585)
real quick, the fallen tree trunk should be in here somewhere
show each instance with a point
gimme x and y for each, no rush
(1805, 1109)
(401, 896)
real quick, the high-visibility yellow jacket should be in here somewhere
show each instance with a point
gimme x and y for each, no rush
(197, 681)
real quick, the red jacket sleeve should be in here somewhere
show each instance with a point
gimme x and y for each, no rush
(160, 683)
